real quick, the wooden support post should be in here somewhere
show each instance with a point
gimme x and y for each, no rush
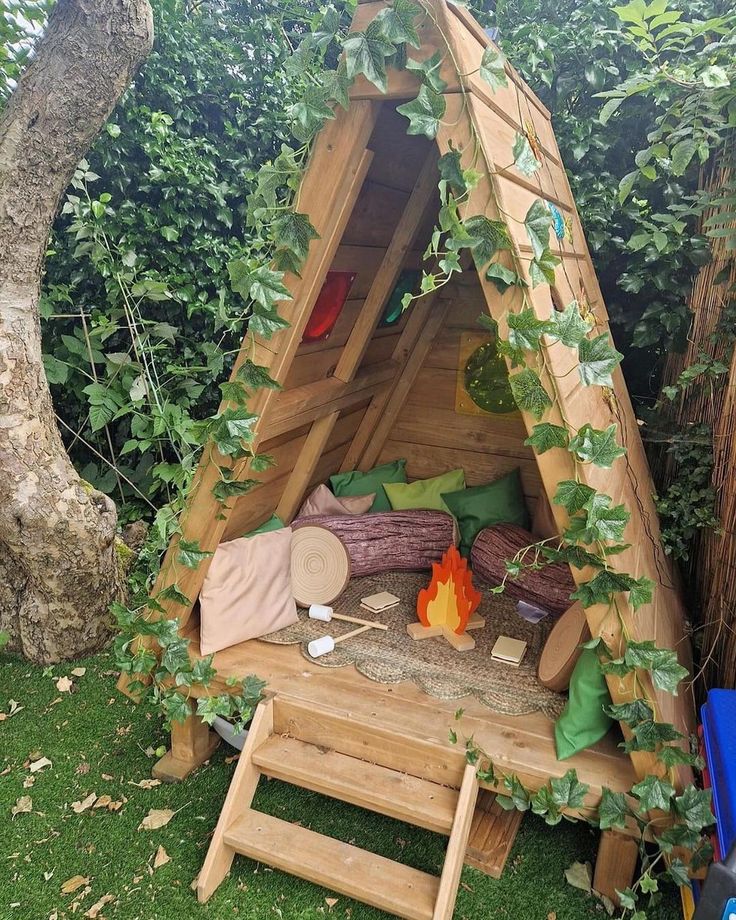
(237, 802)
(492, 835)
(192, 742)
(457, 845)
(615, 863)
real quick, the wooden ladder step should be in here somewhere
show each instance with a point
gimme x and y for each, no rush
(341, 867)
(376, 788)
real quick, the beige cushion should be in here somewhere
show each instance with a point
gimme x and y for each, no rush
(247, 591)
(322, 501)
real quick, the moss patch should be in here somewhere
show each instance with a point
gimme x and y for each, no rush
(99, 742)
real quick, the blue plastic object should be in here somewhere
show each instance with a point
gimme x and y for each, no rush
(719, 736)
(730, 911)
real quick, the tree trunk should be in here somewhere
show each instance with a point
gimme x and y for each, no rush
(58, 561)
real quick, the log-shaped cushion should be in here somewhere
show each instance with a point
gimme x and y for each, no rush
(390, 541)
(549, 587)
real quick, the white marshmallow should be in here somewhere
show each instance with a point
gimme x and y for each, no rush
(320, 612)
(321, 646)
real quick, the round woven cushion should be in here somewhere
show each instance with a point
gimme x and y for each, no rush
(562, 649)
(320, 566)
(549, 587)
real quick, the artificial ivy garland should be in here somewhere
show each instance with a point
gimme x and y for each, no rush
(596, 526)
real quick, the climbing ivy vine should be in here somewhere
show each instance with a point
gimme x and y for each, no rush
(596, 527)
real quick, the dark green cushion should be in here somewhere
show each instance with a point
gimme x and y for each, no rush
(357, 483)
(498, 502)
(273, 523)
(583, 721)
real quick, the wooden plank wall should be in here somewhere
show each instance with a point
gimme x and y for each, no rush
(396, 162)
(433, 437)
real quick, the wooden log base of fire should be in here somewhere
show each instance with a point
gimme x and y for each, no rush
(461, 643)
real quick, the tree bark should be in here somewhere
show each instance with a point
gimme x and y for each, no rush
(58, 560)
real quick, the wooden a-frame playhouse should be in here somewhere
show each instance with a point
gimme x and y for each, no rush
(368, 394)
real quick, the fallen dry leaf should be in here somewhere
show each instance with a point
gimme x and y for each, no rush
(39, 764)
(156, 818)
(73, 884)
(161, 858)
(78, 672)
(580, 875)
(82, 769)
(79, 807)
(94, 911)
(232, 759)
(13, 707)
(103, 801)
(22, 806)
(47, 876)
(330, 902)
(145, 783)
(107, 776)
(28, 782)
(5, 771)
(64, 684)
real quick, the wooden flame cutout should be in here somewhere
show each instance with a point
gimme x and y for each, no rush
(446, 607)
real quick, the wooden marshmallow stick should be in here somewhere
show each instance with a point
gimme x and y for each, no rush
(320, 612)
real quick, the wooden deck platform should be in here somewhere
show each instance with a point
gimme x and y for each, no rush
(401, 727)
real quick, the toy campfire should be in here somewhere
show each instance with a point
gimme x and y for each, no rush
(446, 607)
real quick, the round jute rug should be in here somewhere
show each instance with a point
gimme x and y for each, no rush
(391, 656)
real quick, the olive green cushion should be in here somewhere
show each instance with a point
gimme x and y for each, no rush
(583, 721)
(424, 493)
(273, 523)
(357, 483)
(476, 507)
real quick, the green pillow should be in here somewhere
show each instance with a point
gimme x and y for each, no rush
(273, 523)
(477, 507)
(583, 721)
(424, 493)
(357, 483)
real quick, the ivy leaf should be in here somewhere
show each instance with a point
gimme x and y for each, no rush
(266, 323)
(491, 235)
(648, 735)
(572, 495)
(259, 463)
(202, 671)
(366, 53)
(543, 804)
(209, 707)
(675, 756)
(336, 86)
(529, 393)
(451, 171)
(613, 810)
(653, 792)
(661, 663)
(519, 794)
(605, 584)
(627, 898)
(694, 807)
(256, 376)
(546, 436)
(294, 231)
(260, 283)
(524, 158)
(526, 329)
(397, 22)
(542, 270)
(502, 277)
(568, 791)
(678, 872)
(190, 554)
(538, 221)
(176, 656)
(428, 71)
(568, 326)
(173, 593)
(598, 358)
(233, 391)
(605, 522)
(631, 713)
(592, 445)
(424, 112)
(492, 68)
(231, 488)
(640, 593)
(310, 113)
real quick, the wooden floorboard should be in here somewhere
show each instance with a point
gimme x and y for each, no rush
(518, 744)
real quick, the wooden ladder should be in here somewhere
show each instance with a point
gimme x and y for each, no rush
(346, 869)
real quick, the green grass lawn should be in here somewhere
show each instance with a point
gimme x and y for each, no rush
(98, 742)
